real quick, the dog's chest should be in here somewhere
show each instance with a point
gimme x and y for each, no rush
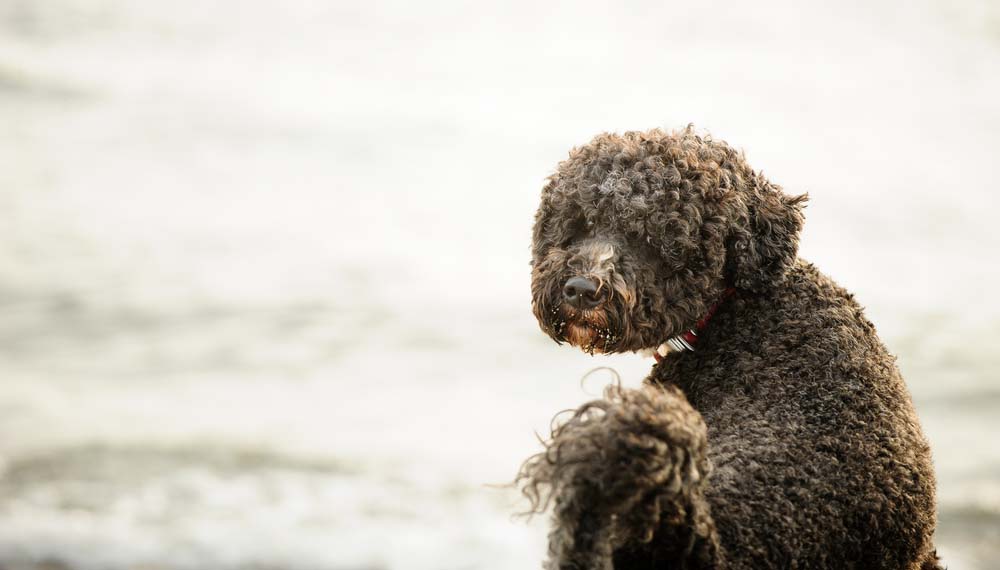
(702, 378)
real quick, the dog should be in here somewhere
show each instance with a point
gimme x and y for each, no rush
(774, 431)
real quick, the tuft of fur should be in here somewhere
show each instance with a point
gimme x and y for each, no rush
(786, 439)
(616, 470)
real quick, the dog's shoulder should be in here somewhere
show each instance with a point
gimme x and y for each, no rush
(805, 336)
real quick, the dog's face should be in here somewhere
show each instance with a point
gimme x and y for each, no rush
(638, 234)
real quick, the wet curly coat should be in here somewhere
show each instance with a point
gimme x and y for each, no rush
(786, 439)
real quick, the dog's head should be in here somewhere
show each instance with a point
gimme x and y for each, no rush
(637, 235)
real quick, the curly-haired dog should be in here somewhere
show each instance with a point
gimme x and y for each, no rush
(774, 431)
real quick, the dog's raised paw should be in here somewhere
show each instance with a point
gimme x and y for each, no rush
(615, 469)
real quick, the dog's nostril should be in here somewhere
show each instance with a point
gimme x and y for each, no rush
(581, 292)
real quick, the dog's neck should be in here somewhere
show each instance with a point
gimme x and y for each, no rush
(688, 339)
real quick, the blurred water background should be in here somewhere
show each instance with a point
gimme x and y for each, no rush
(264, 265)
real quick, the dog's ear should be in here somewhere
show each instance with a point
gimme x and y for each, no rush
(765, 236)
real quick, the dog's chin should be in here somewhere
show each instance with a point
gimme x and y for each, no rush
(583, 336)
(589, 329)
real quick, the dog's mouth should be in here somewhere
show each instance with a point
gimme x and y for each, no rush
(587, 330)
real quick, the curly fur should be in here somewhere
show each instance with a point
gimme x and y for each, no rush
(816, 454)
(618, 469)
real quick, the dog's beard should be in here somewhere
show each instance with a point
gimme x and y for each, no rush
(590, 330)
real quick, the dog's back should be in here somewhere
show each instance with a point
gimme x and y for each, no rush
(817, 455)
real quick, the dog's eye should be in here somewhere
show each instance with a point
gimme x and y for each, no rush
(579, 229)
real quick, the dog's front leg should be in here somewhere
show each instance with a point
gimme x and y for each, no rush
(626, 475)
(686, 538)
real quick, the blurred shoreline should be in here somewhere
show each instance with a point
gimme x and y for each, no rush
(264, 293)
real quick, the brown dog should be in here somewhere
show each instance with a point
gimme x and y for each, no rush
(775, 431)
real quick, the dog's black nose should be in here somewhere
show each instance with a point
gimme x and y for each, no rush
(581, 292)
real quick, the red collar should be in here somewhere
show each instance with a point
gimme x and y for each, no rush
(689, 338)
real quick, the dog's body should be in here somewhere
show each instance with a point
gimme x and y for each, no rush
(785, 439)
